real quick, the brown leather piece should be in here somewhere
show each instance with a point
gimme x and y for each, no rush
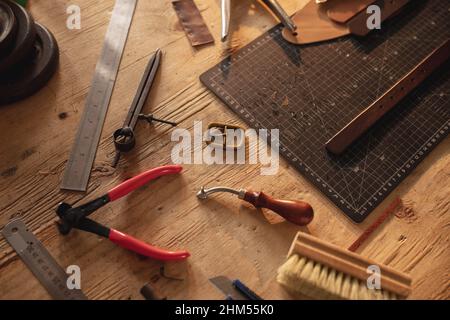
(192, 22)
(313, 25)
(366, 119)
(341, 11)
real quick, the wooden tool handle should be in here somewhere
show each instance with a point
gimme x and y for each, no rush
(297, 212)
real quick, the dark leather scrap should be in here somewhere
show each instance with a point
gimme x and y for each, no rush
(192, 22)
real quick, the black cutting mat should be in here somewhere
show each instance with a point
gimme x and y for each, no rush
(310, 92)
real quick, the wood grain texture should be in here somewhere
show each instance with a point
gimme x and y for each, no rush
(225, 236)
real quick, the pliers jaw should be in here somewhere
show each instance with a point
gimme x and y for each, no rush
(71, 217)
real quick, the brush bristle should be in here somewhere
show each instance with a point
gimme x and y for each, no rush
(302, 276)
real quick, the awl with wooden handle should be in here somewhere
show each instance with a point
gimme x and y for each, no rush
(297, 212)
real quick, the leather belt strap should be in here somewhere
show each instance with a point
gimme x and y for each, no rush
(385, 103)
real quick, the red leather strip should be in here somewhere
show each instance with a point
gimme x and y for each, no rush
(379, 221)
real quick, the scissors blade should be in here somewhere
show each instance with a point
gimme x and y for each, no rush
(226, 286)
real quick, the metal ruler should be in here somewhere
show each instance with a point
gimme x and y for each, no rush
(76, 176)
(40, 262)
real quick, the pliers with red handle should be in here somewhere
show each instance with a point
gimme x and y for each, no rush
(77, 217)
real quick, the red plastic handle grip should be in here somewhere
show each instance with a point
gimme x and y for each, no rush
(138, 181)
(128, 242)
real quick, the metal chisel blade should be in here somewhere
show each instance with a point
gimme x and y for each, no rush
(226, 286)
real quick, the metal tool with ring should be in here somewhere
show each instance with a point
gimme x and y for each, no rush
(124, 138)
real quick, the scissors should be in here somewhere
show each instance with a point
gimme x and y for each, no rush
(273, 5)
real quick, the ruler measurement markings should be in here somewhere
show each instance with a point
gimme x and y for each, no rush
(35, 256)
(76, 176)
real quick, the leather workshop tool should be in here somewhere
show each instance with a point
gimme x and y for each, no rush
(71, 217)
(297, 212)
(30, 59)
(234, 289)
(30, 76)
(124, 138)
(273, 5)
(79, 165)
(223, 128)
(322, 21)
(311, 92)
(366, 119)
(322, 270)
(8, 27)
(225, 14)
(192, 22)
(39, 261)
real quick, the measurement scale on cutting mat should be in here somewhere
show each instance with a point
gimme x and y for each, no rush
(40, 262)
(311, 92)
(79, 165)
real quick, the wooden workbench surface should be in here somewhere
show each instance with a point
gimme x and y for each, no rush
(224, 236)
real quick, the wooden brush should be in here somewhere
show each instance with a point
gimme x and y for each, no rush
(322, 270)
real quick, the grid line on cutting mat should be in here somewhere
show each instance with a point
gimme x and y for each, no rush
(310, 92)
